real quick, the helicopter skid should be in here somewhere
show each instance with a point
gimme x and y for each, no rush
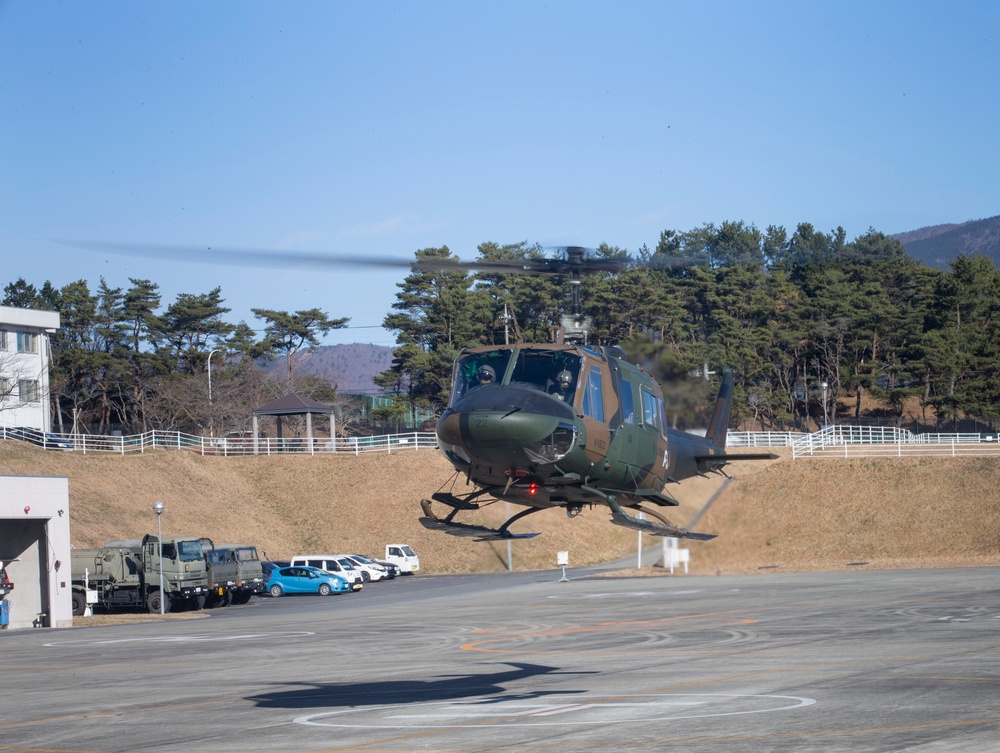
(656, 528)
(481, 533)
(432, 522)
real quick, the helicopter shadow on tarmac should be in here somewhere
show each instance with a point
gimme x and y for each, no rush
(488, 687)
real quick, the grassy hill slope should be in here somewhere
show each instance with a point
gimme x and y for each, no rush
(807, 514)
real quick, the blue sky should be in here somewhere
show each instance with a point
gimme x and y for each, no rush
(383, 128)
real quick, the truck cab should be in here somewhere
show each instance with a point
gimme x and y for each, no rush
(404, 557)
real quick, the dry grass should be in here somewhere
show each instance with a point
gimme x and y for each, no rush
(803, 515)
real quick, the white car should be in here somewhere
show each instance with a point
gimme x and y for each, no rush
(369, 572)
(374, 570)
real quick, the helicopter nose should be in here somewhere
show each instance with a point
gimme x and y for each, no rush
(500, 418)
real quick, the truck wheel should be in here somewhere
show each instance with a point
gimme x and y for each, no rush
(79, 604)
(153, 602)
(276, 591)
(198, 603)
(324, 589)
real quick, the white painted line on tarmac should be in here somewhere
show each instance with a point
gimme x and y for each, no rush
(576, 710)
(182, 639)
(623, 594)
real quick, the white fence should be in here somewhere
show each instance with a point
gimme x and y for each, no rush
(832, 442)
(762, 438)
(174, 440)
(874, 441)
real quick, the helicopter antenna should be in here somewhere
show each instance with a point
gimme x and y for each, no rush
(508, 318)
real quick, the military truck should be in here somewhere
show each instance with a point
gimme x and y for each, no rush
(250, 578)
(127, 574)
(223, 575)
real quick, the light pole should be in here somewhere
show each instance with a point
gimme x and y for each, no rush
(158, 508)
(826, 422)
(211, 418)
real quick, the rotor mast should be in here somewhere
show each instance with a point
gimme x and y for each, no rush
(575, 326)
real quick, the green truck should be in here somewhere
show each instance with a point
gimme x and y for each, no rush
(223, 575)
(128, 574)
(250, 573)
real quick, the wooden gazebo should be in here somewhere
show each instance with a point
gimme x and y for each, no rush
(293, 405)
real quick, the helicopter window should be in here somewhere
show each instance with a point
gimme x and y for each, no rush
(593, 396)
(476, 369)
(650, 410)
(554, 372)
(628, 407)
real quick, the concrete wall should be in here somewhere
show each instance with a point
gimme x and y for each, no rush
(34, 539)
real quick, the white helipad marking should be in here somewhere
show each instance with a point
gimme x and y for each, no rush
(183, 639)
(577, 711)
(622, 594)
(536, 710)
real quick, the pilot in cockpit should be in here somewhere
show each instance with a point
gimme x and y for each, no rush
(485, 374)
(561, 388)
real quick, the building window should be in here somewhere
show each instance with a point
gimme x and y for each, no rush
(3, 339)
(6, 387)
(27, 390)
(27, 342)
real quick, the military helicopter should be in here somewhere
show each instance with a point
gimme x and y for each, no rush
(566, 424)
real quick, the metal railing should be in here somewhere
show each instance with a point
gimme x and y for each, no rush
(761, 438)
(832, 442)
(175, 440)
(875, 441)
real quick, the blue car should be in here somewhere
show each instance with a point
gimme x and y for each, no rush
(305, 580)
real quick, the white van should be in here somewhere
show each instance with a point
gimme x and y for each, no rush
(403, 556)
(332, 563)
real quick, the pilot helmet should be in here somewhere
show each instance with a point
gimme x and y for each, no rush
(564, 378)
(486, 374)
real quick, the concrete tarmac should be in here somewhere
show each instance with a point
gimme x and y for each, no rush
(854, 661)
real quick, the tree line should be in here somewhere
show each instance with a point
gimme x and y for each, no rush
(787, 312)
(120, 363)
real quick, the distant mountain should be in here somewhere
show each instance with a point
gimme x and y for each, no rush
(349, 367)
(937, 245)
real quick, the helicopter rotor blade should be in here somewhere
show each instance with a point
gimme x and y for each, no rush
(257, 257)
(574, 261)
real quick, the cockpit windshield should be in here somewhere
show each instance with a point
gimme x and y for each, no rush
(553, 371)
(478, 369)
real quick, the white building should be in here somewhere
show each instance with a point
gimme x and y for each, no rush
(24, 366)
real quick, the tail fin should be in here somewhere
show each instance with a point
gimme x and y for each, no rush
(718, 424)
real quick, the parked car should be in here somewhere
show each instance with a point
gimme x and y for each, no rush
(391, 568)
(332, 563)
(238, 442)
(269, 567)
(39, 438)
(305, 580)
(370, 569)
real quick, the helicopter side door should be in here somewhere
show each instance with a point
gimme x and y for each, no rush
(597, 403)
(653, 419)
